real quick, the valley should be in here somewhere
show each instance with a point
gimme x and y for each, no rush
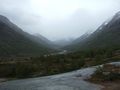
(31, 61)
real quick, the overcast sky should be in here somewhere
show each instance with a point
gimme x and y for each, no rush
(59, 19)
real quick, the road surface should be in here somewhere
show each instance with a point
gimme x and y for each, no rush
(67, 81)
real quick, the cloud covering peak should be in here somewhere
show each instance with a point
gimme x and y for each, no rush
(59, 19)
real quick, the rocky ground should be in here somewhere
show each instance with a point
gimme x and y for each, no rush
(111, 85)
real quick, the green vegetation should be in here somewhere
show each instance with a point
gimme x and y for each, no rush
(15, 42)
(54, 64)
(39, 67)
(106, 37)
(106, 73)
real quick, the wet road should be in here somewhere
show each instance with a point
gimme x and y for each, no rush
(67, 81)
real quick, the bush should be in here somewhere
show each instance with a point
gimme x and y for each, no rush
(24, 70)
(106, 73)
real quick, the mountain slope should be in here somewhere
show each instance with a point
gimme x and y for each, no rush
(14, 41)
(106, 36)
(39, 38)
(63, 42)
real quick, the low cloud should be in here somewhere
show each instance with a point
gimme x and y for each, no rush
(86, 18)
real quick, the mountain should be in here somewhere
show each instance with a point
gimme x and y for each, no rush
(43, 38)
(14, 41)
(106, 36)
(63, 42)
(39, 38)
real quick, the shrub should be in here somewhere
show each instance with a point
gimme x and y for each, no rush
(106, 73)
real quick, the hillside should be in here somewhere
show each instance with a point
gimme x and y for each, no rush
(14, 41)
(106, 36)
(39, 38)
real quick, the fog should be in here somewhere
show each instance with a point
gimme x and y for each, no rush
(59, 19)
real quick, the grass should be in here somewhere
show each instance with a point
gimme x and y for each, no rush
(41, 66)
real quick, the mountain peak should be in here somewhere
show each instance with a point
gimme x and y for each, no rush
(15, 42)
